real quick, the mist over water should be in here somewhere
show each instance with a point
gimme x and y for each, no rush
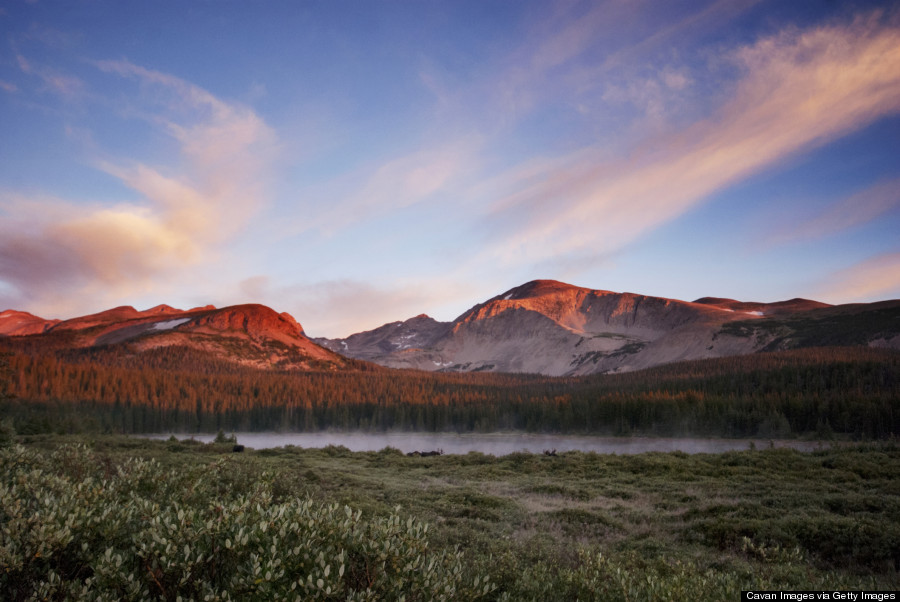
(500, 444)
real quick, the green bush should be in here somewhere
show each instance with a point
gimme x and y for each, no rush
(7, 433)
(73, 526)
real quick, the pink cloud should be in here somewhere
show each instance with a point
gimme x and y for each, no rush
(853, 211)
(56, 254)
(388, 186)
(869, 280)
(799, 90)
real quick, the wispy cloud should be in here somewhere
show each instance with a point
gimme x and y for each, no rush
(63, 84)
(875, 278)
(575, 55)
(396, 183)
(53, 251)
(8, 86)
(847, 213)
(799, 90)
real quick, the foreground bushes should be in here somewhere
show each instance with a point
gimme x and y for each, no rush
(75, 526)
(208, 524)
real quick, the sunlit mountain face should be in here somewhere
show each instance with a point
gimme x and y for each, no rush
(543, 327)
(553, 328)
(248, 335)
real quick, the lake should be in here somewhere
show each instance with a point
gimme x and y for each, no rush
(499, 444)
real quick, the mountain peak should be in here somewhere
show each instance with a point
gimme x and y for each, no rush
(204, 308)
(539, 288)
(291, 320)
(161, 309)
(251, 317)
(778, 307)
(250, 335)
(19, 323)
(116, 314)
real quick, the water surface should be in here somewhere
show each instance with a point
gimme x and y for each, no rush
(499, 444)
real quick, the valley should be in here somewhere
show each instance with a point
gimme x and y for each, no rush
(742, 387)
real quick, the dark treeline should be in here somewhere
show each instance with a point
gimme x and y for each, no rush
(822, 391)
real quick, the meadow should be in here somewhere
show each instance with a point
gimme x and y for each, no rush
(110, 517)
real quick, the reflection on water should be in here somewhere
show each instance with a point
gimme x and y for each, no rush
(499, 444)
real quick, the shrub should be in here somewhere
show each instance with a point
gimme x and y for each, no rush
(74, 527)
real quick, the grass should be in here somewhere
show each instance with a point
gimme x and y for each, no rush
(588, 526)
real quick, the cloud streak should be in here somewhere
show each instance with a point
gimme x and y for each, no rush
(851, 212)
(54, 250)
(876, 277)
(397, 183)
(798, 90)
(65, 85)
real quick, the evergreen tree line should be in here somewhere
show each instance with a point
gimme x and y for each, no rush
(824, 391)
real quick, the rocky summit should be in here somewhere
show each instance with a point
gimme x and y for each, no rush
(542, 327)
(252, 335)
(553, 328)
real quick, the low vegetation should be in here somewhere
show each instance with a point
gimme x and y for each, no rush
(86, 514)
(118, 518)
(76, 525)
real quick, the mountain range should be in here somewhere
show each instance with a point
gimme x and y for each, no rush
(544, 326)
(553, 328)
(252, 335)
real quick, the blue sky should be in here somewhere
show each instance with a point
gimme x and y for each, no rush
(355, 163)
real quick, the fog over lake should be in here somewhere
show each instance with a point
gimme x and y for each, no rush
(499, 444)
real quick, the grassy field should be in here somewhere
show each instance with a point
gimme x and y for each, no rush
(574, 526)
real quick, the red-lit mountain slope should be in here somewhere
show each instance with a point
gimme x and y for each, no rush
(554, 328)
(251, 335)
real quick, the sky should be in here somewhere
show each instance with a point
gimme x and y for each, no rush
(359, 162)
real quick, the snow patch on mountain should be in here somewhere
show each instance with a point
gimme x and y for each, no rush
(170, 324)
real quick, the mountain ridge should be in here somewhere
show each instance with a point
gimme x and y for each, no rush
(251, 334)
(542, 326)
(554, 328)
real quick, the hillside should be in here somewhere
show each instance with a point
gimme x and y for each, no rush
(248, 335)
(553, 328)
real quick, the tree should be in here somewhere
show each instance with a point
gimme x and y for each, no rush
(7, 432)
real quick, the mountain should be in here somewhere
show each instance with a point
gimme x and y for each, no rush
(553, 328)
(413, 335)
(17, 323)
(250, 335)
(542, 327)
